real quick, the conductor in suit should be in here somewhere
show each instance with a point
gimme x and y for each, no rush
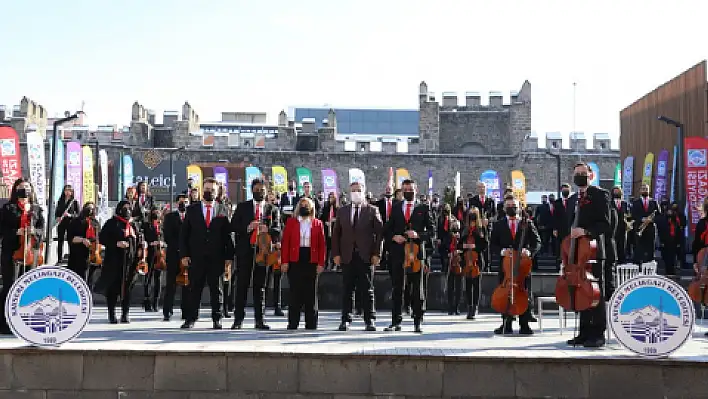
(250, 219)
(207, 248)
(643, 210)
(356, 245)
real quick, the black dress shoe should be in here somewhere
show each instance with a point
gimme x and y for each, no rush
(594, 343)
(216, 325)
(262, 326)
(393, 327)
(188, 324)
(525, 330)
(278, 312)
(227, 315)
(457, 313)
(112, 319)
(533, 319)
(343, 326)
(576, 341)
(292, 328)
(450, 312)
(166, 318)
(124, 319)
(504, 329)
(471, 313)
(416, 328)
(237, 325)
(370, 326)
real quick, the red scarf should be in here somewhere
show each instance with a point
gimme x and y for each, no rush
(90, 231)
(128, 230)
(25, 216)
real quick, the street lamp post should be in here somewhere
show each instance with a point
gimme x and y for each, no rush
(50, 216)
(680, 181)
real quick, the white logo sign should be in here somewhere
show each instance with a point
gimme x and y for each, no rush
(651, 315)
(48, 306)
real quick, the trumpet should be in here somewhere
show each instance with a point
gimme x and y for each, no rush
(649, 220)
(629, 224)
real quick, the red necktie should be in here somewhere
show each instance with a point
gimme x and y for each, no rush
(331, 212)
(408, 212)
(551, 209)
(258, 218)
(208, 215)
(90, 232)
(646, 205)
(445, 225)
(181, 216)
(142, 199)
(388, 209)
(459, 214)
(672, 229)
(618, 204)
(513, 229)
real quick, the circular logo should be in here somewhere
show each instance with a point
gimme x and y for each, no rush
(651, 315)
(329, 181)
(304, 179)
(279, 179)
(48, 306)
(647, 169)
(661, 168)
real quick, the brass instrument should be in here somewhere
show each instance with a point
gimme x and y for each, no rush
(629, 224)
(646, 223)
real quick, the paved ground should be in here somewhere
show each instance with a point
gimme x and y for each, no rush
(443, 336)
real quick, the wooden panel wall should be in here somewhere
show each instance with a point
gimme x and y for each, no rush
(682, 99)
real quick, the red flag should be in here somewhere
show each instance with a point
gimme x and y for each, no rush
(696, 177)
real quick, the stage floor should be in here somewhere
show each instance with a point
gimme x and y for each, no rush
(444, 336)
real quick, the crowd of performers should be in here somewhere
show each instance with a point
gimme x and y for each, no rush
(205, 240)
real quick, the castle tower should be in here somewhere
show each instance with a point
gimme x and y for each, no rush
(428, 122)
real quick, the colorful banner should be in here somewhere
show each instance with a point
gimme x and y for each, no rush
(329, 183)
(356, 175)
(662, 171)
(648, 170)
(518, 185)
(430, 182)
(696, 177)
(618, 175)
(673, 175)
(280, 179)
(492, 184)
(127, 174)
(222, 176)
(10, 158)
(89, 187)
(594, 176)
(252, 173)
(103, 166)
(303, 175)
(74, 171)
(58, 151)
(35, 157)
(458, 186)
(401, 175)
(627, 176)
(194, 172)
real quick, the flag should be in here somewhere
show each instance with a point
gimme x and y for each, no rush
(280, 179)
(627, 176)
(401, 175)
(252, 173)
(304, 175)
(492, 184)
(696, 177)
(356, 175)
(648, 170)
(87, 166)
(518, 186)
(329, 182)
(662, 163)
(430, 182)
(74, 171)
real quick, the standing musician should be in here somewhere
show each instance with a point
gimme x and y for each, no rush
(670, 227)
(303, 253)
(506, 236)
(594, 222)
(207, 249)
(448, 226)
(385, 207)
(643, 211)
(228, 286)
(623, 226)
(20, 215)
(273, 271)
(252, 218)
(83, 233)
(288, 201)
(475, 238)
(67, 210)
(171, 228)
(356, 245)
(328, 216)
(152, 234)
(144, 203)
(119, 236)
(409, 223)
(487, 210)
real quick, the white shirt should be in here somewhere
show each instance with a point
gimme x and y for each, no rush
(256, 205)
(204, 211)
(305, 231)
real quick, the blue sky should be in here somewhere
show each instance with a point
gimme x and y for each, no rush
(233, 55)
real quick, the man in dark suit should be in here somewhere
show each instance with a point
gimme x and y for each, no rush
(307, 192)
(207, 248)
(171, 228)
(356, 245)
(544, 224)
(385, 206)
(144, 204)
(250, 219)
(506, 236)
(288, 201)
(643, 210)
(560, 217)
(594, 222)
(487, 210)
(409, 222)
(622, 209)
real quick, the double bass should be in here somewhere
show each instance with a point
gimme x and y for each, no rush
(698, 288)
(30, 252)
(577, 289)
(510, 298)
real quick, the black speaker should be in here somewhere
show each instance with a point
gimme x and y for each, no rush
(307, 143)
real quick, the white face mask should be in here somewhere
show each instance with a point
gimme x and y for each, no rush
(356, 197)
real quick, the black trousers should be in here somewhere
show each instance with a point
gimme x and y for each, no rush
(399, 280)
(644, 248)
(621, 245)
(669, 253)
(302, 276)
(277, 291)
(229, 288)
(208, 272)
(358, 277)
(151, 289)
(119, 284)
(245, 271)
(62, 229)
(173, 269)
(593, 322)
(546, 235)
(473, 291)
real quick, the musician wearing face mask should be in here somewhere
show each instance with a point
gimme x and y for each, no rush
(623, 217)
(560, 216)
(506, 236)
(119, 236)
(207, 249)
(594, 222)
(385, 206)
(644, 210)
(152, 234)
(252, 218)
(67, 210)
(328, 217)
(18, 216)
(144, 203)
(83, 231)
(410, 222)
(448, 226)
(171, 228)
(288, 201)
(670, 228)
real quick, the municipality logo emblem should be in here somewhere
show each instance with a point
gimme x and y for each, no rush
(651, 316)
(7, 147)
(48, 306)
(279, 179)
(661, 168)
(696, 158)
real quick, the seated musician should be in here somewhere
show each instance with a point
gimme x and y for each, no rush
(506, 237)
(473, 238)
(83, 231)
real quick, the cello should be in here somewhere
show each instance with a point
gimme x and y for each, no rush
(577, 289)
(510, 298)
(698, 288)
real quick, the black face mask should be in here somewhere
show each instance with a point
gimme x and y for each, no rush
(208, 196)
(645, 195)
(182, 207)
(22, 193)
(544, 201)
(473, 217)
(511, 212)
(565, 193)
(90, 211)
(409, 195)
(447, 212)
(580, 180)
(291, 188)
(305, 212)
(616, 195)
(258, 197)
(124, 213)
(155, 216)
(388, 195)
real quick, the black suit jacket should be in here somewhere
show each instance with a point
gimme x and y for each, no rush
(199, 242)
(487, 208)
(595, 216)
(560, 217)
(420, 221)
(501, 236)
(171, 227)
(638, 211)
(141, 212)
(287, 204)
(243, 216)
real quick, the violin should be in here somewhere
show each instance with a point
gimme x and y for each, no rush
(142, 267)
(698, 288)
(266, 255)
(471, 259)
(183, 276)
(510, 297)
(160, 262)
(455, 258)
(577, 289)
(31, 249)
(411, 251)
(95, 253)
